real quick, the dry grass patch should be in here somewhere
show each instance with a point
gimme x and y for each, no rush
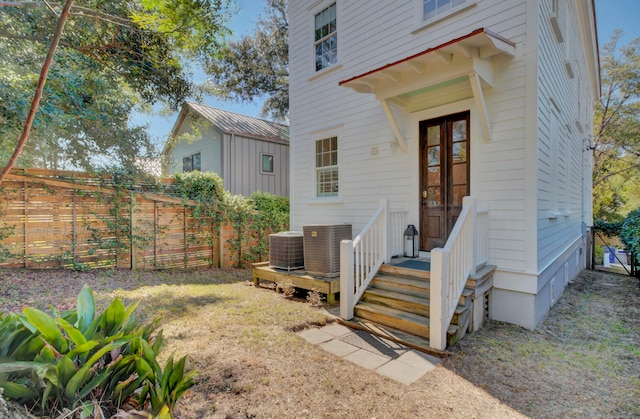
(581, 362)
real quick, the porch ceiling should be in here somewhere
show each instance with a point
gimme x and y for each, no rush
(460, 64)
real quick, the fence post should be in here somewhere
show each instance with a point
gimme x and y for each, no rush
(74, 227)
(132, 214)
(346, 279)
(438, 292)
(26, 225)
(184, 236)
(155, 234)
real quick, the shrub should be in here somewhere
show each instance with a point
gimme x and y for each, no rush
(609, 229)
(82, 360)
(599, 255)
(630, 232)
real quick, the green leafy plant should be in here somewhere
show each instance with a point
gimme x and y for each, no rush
(630, 233)
(609, 229)
(74, 359)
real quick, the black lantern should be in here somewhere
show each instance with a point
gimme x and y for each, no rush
(411, 242)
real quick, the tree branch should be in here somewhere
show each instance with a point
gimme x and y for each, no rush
(39, 88)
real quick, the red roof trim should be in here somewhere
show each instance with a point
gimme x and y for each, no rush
(453, 41)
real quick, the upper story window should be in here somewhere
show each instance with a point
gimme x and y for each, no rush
(326, 38)
(191, 163)
(327, 167)
(434, 8)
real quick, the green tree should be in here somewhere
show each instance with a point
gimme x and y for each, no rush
(113, 58)
(616, 174)
(257, 66)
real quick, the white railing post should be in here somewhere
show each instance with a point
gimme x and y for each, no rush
(386, 234)
(472, 202)
(346, 279)
(438, 306)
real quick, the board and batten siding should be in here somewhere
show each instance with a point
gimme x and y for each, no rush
(208, 144)
(371, 166)
(242, 167)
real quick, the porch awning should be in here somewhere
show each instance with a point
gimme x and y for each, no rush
(410, 83)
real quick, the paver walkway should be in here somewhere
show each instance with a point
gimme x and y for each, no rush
(387, 358)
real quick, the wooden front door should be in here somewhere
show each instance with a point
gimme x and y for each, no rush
(444, 176)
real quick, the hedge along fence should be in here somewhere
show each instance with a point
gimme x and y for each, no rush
(66, 219)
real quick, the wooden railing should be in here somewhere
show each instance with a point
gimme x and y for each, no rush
(465, 250)
(399, 221)
(361, 258)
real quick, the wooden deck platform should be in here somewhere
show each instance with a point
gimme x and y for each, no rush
(299, 278)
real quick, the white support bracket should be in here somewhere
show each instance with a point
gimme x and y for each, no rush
(478, 96)
(394, 124)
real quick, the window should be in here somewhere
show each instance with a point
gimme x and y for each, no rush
(191, 163)
(327, 167)
(326, 38)
(267, 163)
(434, 8)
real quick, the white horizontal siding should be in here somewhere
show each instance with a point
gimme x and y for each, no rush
(560, 186)
(367, 41)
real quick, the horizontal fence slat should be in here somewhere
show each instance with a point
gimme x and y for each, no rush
(50, 219)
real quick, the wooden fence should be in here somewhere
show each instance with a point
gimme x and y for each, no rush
(74, 220)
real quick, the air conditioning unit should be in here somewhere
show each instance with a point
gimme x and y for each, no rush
(322, 248)
(286, 250)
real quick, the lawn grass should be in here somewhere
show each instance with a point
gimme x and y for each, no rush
(583, 361)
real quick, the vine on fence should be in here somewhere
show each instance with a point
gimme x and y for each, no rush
(115, 230)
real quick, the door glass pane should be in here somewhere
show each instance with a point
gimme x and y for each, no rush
(433, 135)
(434, 156)
(459, 131)
(433, 196)
(459, 193)
(459, 174)
(433, 177)
(459, 152)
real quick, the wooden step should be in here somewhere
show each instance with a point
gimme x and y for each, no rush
(483, 274)
(407, 322)
(404, 284)
(410, 303)
(399, 301)
(397, 270)
(466, 296)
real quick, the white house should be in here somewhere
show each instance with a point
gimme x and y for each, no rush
(249, 154)
(424, 102)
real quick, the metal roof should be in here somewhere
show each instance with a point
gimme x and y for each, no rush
(248, 126)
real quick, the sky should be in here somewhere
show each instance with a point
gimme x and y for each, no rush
(242, 23)
(610, 15)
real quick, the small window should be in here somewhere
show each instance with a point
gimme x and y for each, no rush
(326, 38)
(434, 8)
(267, 163)
(327, 167)
(191, 163)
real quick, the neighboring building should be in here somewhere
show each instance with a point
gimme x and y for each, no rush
(249, 154)
(423, 102)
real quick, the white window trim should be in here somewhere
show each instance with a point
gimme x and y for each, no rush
(273, 164)
(335, 131)
(314, 9)
(423, 24)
